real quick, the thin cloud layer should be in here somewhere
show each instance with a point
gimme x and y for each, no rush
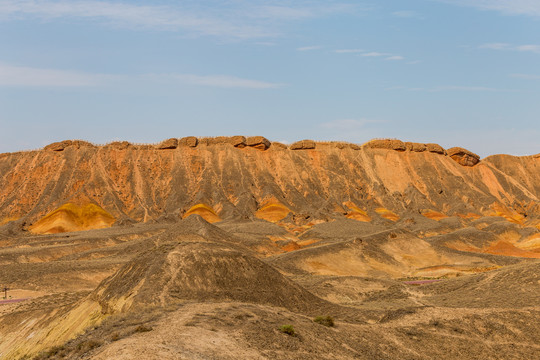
(526, 76)
(370, 54)
(451, 88)
(19, 76)
(238, 20)
(34, 77)
(509, 7)
(509, 47)
(309, 48)
(225, 81)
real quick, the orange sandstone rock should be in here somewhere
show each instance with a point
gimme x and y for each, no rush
(238, 141)
(258, 142)
(171, 143)
(435, 148)
(119, 145)
(417, 147)
(190, 141)
(389, 144)
(303, 145)
(463, 156)
(58, 146)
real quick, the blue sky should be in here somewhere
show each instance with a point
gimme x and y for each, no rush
(457, 72)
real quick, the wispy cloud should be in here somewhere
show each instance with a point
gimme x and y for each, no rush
(451, 88)
(374, 54)
(529, 48)
(509, 47)
(406, 14)
(309, 48)
(468, 88)
(526, 76)
(231, 19)
(34, 77)
(18, 76)
(225, 81)
(370, 54)
(349, 51)
(509, 7)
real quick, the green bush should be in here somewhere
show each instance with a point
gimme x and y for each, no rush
(287, 329)
(324, 320)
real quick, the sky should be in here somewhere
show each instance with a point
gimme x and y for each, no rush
(454, 72)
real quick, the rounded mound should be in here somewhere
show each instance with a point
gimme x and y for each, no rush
(273, 212)
(205, 211)
(73, 217)
(199, 271)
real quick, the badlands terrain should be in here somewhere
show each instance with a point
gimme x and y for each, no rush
(207, 248)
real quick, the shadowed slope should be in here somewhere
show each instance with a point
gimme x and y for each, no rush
(199, 271)
(510, 287)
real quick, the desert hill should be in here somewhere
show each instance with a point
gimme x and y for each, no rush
(203, 248)
(220, 180)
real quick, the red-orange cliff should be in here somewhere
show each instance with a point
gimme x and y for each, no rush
(74, 185)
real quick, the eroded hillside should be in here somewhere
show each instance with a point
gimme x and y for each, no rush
(223, 178)
(205, 248)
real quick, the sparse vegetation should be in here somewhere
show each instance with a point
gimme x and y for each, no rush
(54, 351)
(143, 328)
(287, 329)
(92, 344)
(324, 320)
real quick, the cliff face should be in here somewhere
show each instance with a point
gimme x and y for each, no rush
(220, 180)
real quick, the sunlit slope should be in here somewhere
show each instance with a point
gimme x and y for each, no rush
(73, 217)
(220, 181)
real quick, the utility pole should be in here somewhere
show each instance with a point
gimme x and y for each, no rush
(5, 289)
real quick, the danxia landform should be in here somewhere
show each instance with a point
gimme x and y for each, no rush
(210, 248)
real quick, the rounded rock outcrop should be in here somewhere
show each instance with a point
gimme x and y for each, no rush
(416, 147)
(171, 143)
(190, 141)
(388, 144)
(303, 145)
(119, 145)
(61, 145)
(238, 141)
(58, 146)
(435, 148)
(258, 142)
(463, 156)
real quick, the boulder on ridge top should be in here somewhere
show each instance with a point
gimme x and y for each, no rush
(190, 141)
(435, 148)
(171, 143)
(463, 156)
(416, 147)
(303, 145)
(389, 144)
(238, 141)
(61, 145)
(58, 146)
(258, 142)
